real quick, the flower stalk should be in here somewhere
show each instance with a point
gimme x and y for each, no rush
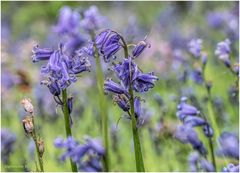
(102, 105)
(136, 140)
(67, 124)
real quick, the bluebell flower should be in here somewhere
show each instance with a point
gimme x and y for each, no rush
(194, 121)
(187, 134)
(185, 109)
(87, 155)
(223, 52)
(137, 107)
(197, 76)
(139, 48)
(61, 69)
(7, 143)
(231, 168)
(122, 101)
(40, 54)
(68, 21)
(144, 82)
(208, 130)
(108, 44)
(206, 165)
(53, 86)
(204, 58)
(215, 19)
(195, 47)
(110, 86)
(92, 19)
(193, 159)
(229, 145)
(123, 72)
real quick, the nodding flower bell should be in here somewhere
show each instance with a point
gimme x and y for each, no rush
(139, 48)
(27, 104)
(40, 143)
(40, 54)
(110, 86)
(223, 52)
(28, 124)
(122, 101)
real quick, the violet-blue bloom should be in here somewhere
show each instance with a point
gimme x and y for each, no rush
(68, 21)
(139, 48)
(197, 76)
(92, 149)
(215, 19)
(61, 70)
(195, 47)
(123, 72)
(122, 101)
(185, 109)
(137, 107)
(108, 44)
(231, 168)
(110, 86)
(206, 165)
(41, 53)
(7, 143)
(193, 159)
(144, 82)
(229, 145)
(223, 51)
(92, 19)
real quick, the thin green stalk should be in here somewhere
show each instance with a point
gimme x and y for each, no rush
(67, 124)
(136, 140)
(37, 149)
(102, 104)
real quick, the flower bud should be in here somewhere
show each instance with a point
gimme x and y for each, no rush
(28, 124)
(27, 104)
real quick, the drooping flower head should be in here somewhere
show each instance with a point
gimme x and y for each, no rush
(108, 44)
(223, 51)
(139, 48)
(92, 19)
(61, 69)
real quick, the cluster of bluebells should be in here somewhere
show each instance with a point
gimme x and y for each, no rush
(88, 155)
(195, 159)
(108, 44)
(225, 21)
(7, 143)
(190, 118)
(61, 69)
(68, 27)
(70, 23)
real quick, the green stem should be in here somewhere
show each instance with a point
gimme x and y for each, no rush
(102, 104)
(38, 154)
(136, 140)
(34, 136)
(67, 124)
